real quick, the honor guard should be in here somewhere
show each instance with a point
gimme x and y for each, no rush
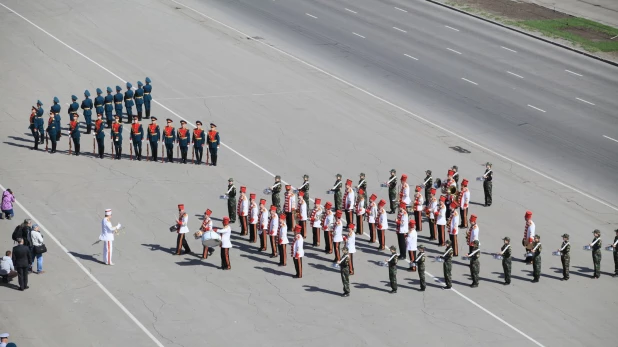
(327, 221)
(226, 244)
(184, 138)
(392, 190)
(154, 135)
(392, 269)
(487, 184)
(506, 252)
(138, 97)
(382, 224)
(536, 258)
(372, 216)
(595, 246)
(430, 212)
(447, 264)
(57, 119)
(464, 202)
(99, 135)
(298, 253)
(402, 229)
(316, 221)
(336, 189)
(137, 135)
(206, 227)
(420, 263)
(305, 188)
(475, 265)
(109, 107)
(282, 240)
(231, 201)
(75, 134)
(147, 96)
(263, 225)
(428, 184)
(565, 256)
(529, 232)
(169, 138)
(99, 102)
(344, 268)
(448, 186)
(473, 233)
(419, 202)
(276, 189)
(362, 184)
(182, 229)
(87, 110)
(350, 244)
(289, 206)
(453, 228)
(301, 211)
(411, 243)
(73, 107)
(33, 113)
(337, 235)
(128, 102)
(52, 131)
(456, 175)
(118, 102)
(214, 141)
(404, 193)
(107, 236)
(243, 211)
(615, 251)
(359, 209)
(440, 215)
(38, 126)
(254, 213)
(117, 136)
(273, 230)
(349, 202)
(199, 138)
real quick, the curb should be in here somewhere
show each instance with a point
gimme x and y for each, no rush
(435, 2)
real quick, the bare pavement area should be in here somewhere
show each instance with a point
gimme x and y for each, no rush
(278, 115)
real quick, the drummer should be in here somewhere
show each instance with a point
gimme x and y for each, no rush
(206, 227)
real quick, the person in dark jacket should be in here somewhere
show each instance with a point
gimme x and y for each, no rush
(22, 258)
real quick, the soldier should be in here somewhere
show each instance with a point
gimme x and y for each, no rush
(440, 215)
(337, 234)
(348, 203)
(39, 114)
(475, 265)
(199, 138)
(57, 119)
(154, 135)
(411, 243)
(382, 222)
(117, 136)
(327, 221)
(282, 238)
(447, 265)
(183, 227)
(87, 108)
(75, 134)
(231, 201)
(505, 252)
(99, 134)
(254, 212)
(39, 128)
(33, 113)
(52, 131)
(464, 202)
(214, 141)
(137, 135)
(372, 215)
(404, 193)
(305, 189)
(596, 253)
(565, 256)
(118, 102)
(184, 138)
(536, 258)
(275, 190)
(207, 226)
(453, 228)
(128, 102)
(456, 175)
(402, 229)
(273, 230)
(73, 107)
(473, 233)
(109, 107)
(226, 244)
(487, 184)
(362, 184)
(243, 211)
(420, 263)
(138, 97)
(392, 190)
(169, 137)
(446, 186)
(350, 244)
(344, 267)
(615, 251)
(298, 253)
(360, 211)
(529, 232)
(419, 202)
(289, 206)
(430, 212)
(336, 189)
(302, 214)
(392, 269)
(316, 221)
(99, 102)
(264, 215)
(147, 96)
(428, 183)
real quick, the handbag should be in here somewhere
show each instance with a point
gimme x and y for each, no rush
(40, 249)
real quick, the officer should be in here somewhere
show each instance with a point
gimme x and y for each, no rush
(75, 133)
(116, 134)
(447, 265)
(39, 127)
(615, 246)
(87, 108)
(139, 99)
(231, 201)
(392, 269)
(536, 258)
(305, 188)
(73, 107)
(475, 265)
(56, 110)
(147, 97)
(596, 253)
(392, 191)
(505, 252)
(565, 256)
(428, 183)
(420, 265)
(137, 135)
(99, 102)
(169, 137)
(184, 138)
(52, 131)
(99, 134)
(276, 198)
(39, 113)
(487, 185)
(362, 184)
(154, 135)
(109, 107)
(338, 192)
(214, 141)
(128, 102)
(118, 102)
(34, 133)
(198, 140)
(344, 267)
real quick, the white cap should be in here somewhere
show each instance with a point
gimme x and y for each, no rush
(4, 335)
(108, 212)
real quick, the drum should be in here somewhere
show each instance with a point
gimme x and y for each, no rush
(383, 263)
(556, 253)
(211, 239)
(335, 266)
(587, 248)
(268, 191)
(330, 192)
(438, 259)
(497, 256)
(383, 185)
(174, 228)
(609, 248)
(480, 178)
(224, 197)
(463, 257)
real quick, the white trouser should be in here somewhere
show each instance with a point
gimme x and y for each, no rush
(107, 252)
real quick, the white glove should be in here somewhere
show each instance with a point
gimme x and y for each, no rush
(118, 226)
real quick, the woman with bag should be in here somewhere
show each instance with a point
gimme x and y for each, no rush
(7, 204)
(38, 248)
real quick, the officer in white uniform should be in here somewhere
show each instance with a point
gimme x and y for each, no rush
(402, 229)
(360, 211)
(107, 236)
(405, 190)
(243, 211)
(283, 240)
(349, 204)
(316, 222)
(411, 243)
(382, 225)
(273, 230)
(302, 214)
(253, 218)
(372, 211)
(183, 229)
(226, 244)
(263, 232)
(441, 221)
(298, 252)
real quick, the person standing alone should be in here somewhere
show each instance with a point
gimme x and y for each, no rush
(22, 258)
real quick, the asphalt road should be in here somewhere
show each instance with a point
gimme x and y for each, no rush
(277, 115)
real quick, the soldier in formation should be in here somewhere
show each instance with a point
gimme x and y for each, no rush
(420, 264)
(137, 135)
(447, 265)
(392, 269)
(392, 190)
(117, 136)
(475, 265)
(214, 142)
(565, 256)
(231, 200)
(87, 107)
(75, 134)
(183, 138)
(344, 267)
(536, 258)
(596, 246)
(506, 252)
(275, 191)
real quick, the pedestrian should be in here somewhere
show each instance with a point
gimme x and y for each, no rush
(55, 115)
(392, 190)
(565, 256)
(372, 215)
(362, 185)
(411, 243)
(392, 269)
(263, 225)
(273, 230)
(231, 200)
(344, 267)
(39, 126)
(182, 230)
(349, 201)
(289, 206)
(428, 183)
(440, 215)
(350, 244)
(447, 264)
(22, 259)
(419, 203)
(214, 142)
(298, 252)
(206, 227)
(275, 191)
(487, 184)
(147, 96)
(596, 253)
(473, 233)
(536, 258)
(107, 236)
(430, 212)
(99, 102)
(475, 265)
(73, 107)
(7, 270)
(505, 252)
(529, 233)
(22, 231)
(109, 108)
(38, 248)
(7, 204)
(301, 214)
(464, 202)
(226, 244)
(305, 189)
(242, 211)
(452, 226)
(420, 265)
(359, 209)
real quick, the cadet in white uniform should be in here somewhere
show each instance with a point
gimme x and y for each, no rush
(473, 233)
(273, 230)
(360, 211)
(316, 222)
(372, 211)
(382, 224)
(302, 214)
(453, 228)
(441, 220)
(253, 218)
(529, 233)
(411, 243)
(349, 204)
(298, 253)
(405, 190)
(350, 243)
(419, 201)
(183, 228)
(337, 235)
(432, 207)
(402, 229)
(206, 226)
(263, 225)
(243, 211)
(107, 236)
(283, 240)
(327, 221)
(464, 202)
(226, 244)
(289, 206)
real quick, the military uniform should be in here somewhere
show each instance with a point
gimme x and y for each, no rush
(243, 211)
(128, 102)
(456, 175)
(198, 139)
(362, 184)
(57, 119)
(420, 265)
(392, 191)
(226, 244)
(349, 201)
(316, 222)
(99, 102)
(565, 257)
(214, 141)
(231, 201)
(138, 97)
(118, 102)
(137, 135)
(382, 225)
(99, 134)
(327, 221)
(87, 110)
(206, 227)
(52, 131)
(487, 184)
(305, 189)
(182, 230)
(536, 258)
(184, 138)
(109, 107)
(275, 191)
(392, 269)
(447, 265)
(344, 268)
(301, 211)
(372, 215)
(298, 253)
(359, 209)
(263, 225)
(169, 138)
(596, 246)
(402, 229)
(154, 135)
(430, 212)
(289, 206)
(147, 96)
(116, 134)
(254, 214)
(33, 114)
(75, 135)
(475, 265)
(73, 107)
(505, 251)
(338, 194)
(428, 183)
(39, 128)
(464, 202)
(615, 251)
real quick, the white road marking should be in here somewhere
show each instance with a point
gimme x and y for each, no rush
(508, 49)
(312, 16)
(451, 28)
(359, 35)
(536, 108)
(400, 9)
(452, 50)
(409, 56)
(574, 73)
(588, 102)
(605, 136)
(614, 37)
(347, 9)
(403, 31)
(467, 80)
(514, 74)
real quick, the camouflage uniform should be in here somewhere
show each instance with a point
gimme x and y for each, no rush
(420, 263)
(565, 257)
(447, 265)
(536, 260)
(276, 198)
(616, 254)
(475, 265)
(231, 201)
(305, 189)
(392, 270)
(338, 193)
(428, 185)
(344, 266)
(506, 261)
(596, 254)
(392, 192)
(362, 184)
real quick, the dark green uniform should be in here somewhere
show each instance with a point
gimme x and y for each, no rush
(565, 257)
(344, 266)
(338, 194)
(428, 185)
(362, 184)
(305, 189)
(392, 193)
(276, 198)
(475, 266)
(420, 265)
(536, 261)
(231, 202)
(596, 256)
(392, 273)
(506, 263)
(615, 256)
(487, 186)
(447, 266)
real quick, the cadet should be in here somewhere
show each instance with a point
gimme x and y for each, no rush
(73, 107)
(199, 138)
(118, 102)
(116, 134)
(75, 133)
(362, 184)
(214, 141)
(596, 253)
(305, 188)
(276, 189)
(184, 138)
(52, 131)
(169, 137)
(109, 107)
(128, 102)
(475, 265)
(231, 201)
(147, 97)
(392, 191)
(536, 258)
(447, 265)
(137, 135)
(420, 265)
(615, 246)
(56, 110)
(139, 99)
(487, 185)
(337, 191)
(39, 127)
(344, 267)
(565, 256)
(505, 252)
(99, 102)
(87, 108)
(99, 134)
(154, 135)
(392, 269)
(428, 183)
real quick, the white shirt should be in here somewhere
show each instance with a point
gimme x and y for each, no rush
(373, 212)
(465, 199)
(403, 224)
(474, 234)
(338, 231)
(299, 252)
(253, 217)
(328, 220)
(207, 225)
(243, 207)
(441, 220)
(291, 202)
(383, 221)
(283, 235)
(411, 240)
(302, 207)
(530, 232)
(349, 200)
(419, 200)
(454, 228)
(184, 225)
(107, 231)
(360, 207)
(225, 232)
(433, 207)
(273, 228)
(406, 194)
(351, 243)
(37, 238)
(317, 221)
(6, 265)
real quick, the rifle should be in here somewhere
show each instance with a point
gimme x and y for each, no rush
(46, 142)
(177, 151)
(207, 155)
(112, 147)
(192, 153)
(148, 151)
(131, 149)
(93, 141)
(162, 152)
(70, 147)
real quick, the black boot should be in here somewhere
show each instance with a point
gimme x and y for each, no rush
(139, 116)
(214, 160)
(147, 114)
(77, 147)
(109, 124)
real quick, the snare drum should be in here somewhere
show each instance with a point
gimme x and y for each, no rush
(211, 239)
(497, 256)
(268, 191)
(610, 248)
(556, 253)
(383, 185)
(438, 259)
(224, 197)
(587, 248)
(330, 192)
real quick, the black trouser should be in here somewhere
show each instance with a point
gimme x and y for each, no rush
(316, 237)
(273, 246)
(77, 145)
(54, 141)
(213, 155)
(454, 244)
(252, 232)
(22, 274)
(225, 258)
(432, 228)
(359, 224)
(199, 153)
(101, 146)
(289, 220)
(183, 153)
(381, 239)
(487, 185)
(154, 148)
(282, 255)
(36, 139)
(181, 242)
(348, 217)
(298, 265)
(137, 147)
(303, 228)
(401, 239)
(118, 148)
(418, 218)
(463, 213)
(441, 234)
(170, 152)
(328, 242)
(263, 242)
(42, 136)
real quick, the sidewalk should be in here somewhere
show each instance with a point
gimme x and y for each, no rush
(602, 11)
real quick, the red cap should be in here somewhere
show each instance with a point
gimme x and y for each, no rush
(288, 187)
(338, 214)
(473, 218)
(433, 191)
(450, 173)
(301, 194)
(328, 205)
(402, 204)
(208, 212)
(273, 208)
(318, 201)
(464, 182)
(297, 229)
(351, 226)
(528, 214)
(404, 178)
(252, 196)
(226, 220)
(418, 188)
(361, 192)
(348, 183)
(262, 201)
(181, 207)
(282, 216)
(243, 189)
(411, 223)
(454, 204)
(381, 203)
(443, 198)
(373, 197)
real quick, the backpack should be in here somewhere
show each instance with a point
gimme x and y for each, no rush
(16, 233)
